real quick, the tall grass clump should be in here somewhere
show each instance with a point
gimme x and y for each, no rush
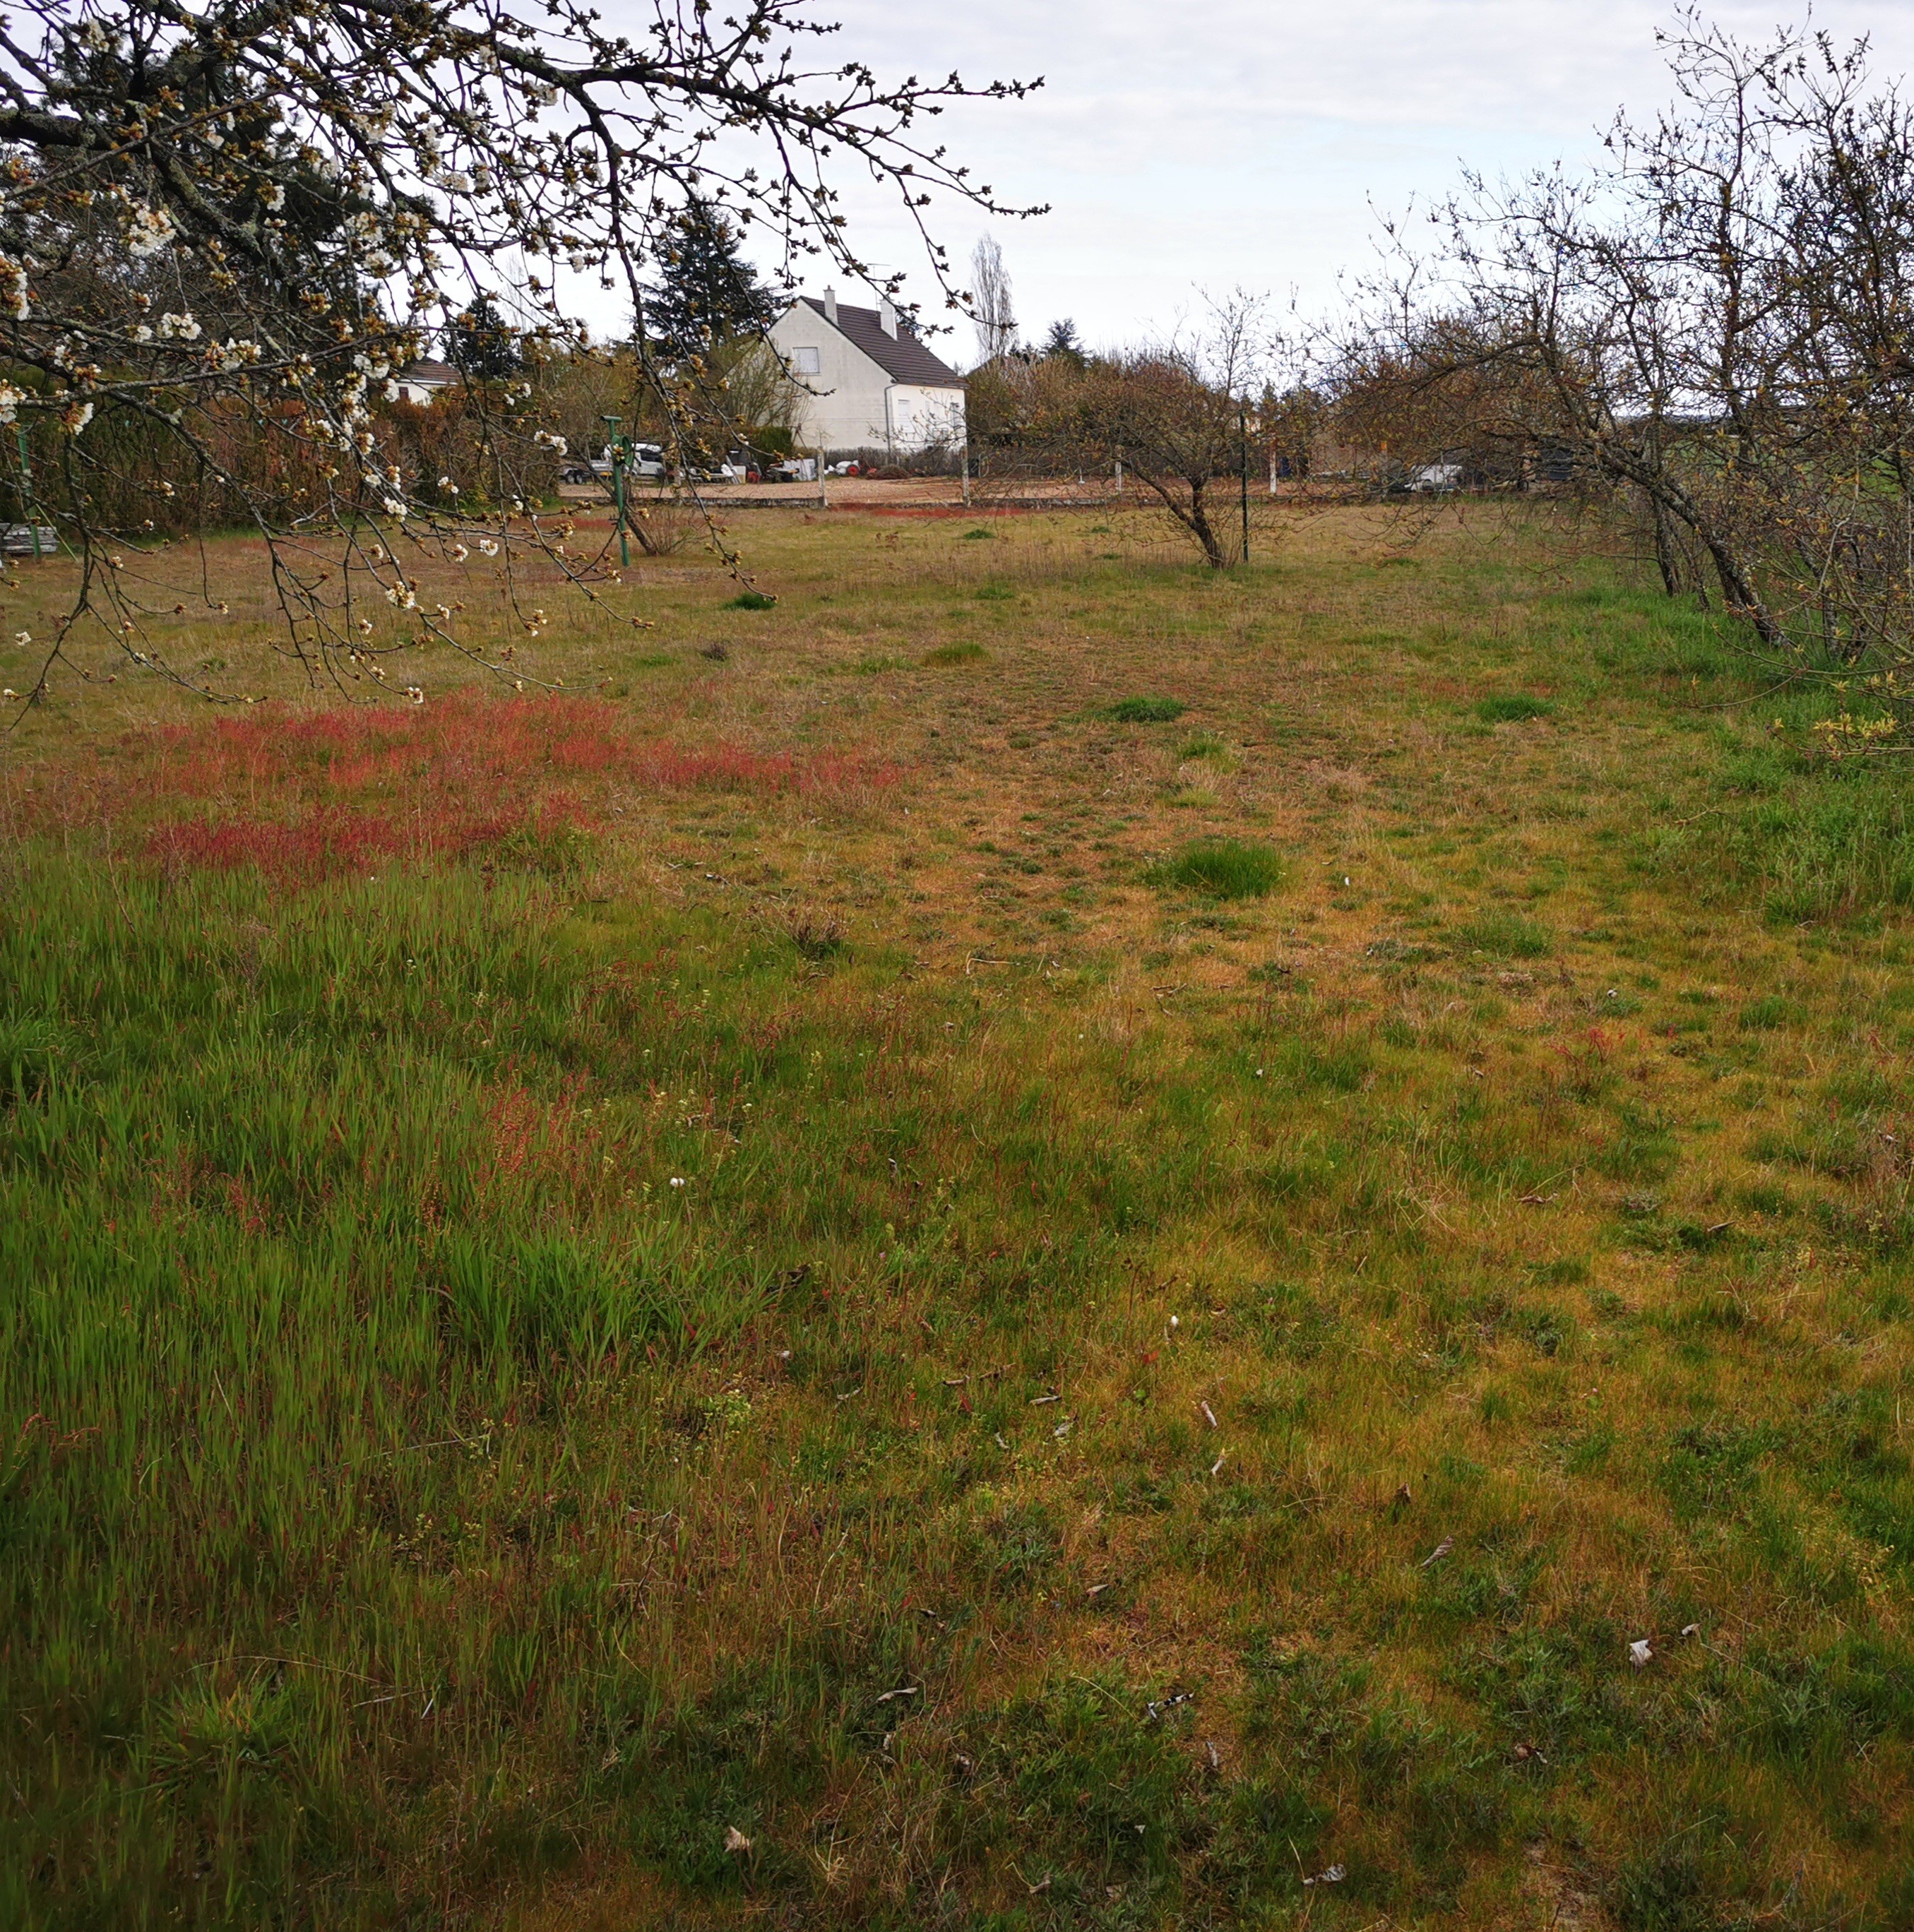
(1222, 868)
(1145, 711)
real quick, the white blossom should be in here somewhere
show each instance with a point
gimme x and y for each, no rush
(148, 231)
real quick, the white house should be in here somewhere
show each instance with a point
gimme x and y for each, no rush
(424, 380)
(868, 383)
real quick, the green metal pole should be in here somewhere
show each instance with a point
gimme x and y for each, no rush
(26, 492)
(1243, 459)
(616, 444)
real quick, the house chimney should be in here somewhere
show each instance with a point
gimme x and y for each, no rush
(887, 318)
(830, 307)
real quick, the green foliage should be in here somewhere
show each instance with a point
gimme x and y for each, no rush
(751, 600)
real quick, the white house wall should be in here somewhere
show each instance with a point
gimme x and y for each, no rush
(920, 416)
(851, 402)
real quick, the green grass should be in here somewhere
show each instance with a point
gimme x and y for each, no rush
(415, 1510)
(1145, 711)
(1504, 934)
(1511, 708)
(751, 600)
(1224, 868)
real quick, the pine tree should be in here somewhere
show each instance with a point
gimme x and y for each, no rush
(480, 342)
(1062, 342)
(708, 291)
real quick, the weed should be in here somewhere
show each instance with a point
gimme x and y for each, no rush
(752, 600)
(962, 653)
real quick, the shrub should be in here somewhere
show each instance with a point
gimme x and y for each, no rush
(1223, 868)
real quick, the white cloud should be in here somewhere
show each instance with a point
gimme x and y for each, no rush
(1183, 146)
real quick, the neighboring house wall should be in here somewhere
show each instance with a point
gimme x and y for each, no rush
(920, 416)
(850, 402)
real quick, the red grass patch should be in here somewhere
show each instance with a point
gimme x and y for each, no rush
(466, 743)
(321, 794)
(328, 841)
(332, 841)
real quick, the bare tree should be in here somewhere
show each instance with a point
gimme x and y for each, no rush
(231, 225)
(992, 313)
(1176, 415)
(1710, 333)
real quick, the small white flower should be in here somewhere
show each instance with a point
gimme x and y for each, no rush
(413, 692)
(22, 637)
(677, 1180)
(486, 547)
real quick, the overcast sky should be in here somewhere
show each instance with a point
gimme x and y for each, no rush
(1184, 146)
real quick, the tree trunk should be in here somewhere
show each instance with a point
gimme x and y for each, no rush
(1199, 524)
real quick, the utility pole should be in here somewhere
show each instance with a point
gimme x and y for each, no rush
(615, 447)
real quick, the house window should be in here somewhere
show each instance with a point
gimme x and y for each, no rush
(804, 362)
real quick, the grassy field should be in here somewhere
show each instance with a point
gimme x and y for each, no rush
(1039, 1240)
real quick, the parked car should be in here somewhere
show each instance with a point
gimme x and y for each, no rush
(641, 459)
(1436, 479)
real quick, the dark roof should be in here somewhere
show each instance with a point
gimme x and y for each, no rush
(429, 372)
(901, 356)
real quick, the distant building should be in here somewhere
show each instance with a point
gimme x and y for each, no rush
(424, 380)
(868, 383)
